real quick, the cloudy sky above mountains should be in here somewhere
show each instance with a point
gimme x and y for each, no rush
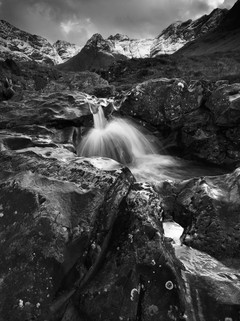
(77, 20)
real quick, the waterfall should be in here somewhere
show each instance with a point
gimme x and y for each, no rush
(119, 139)
(122, 140)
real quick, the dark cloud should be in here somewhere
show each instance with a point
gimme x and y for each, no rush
(77, 20)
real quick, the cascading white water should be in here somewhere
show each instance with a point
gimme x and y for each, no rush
(118, 139)
(123, 141)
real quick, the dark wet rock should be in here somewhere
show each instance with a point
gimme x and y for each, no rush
(45, 108)
(201, 116)
(52, 212)
(104, 91)
(6, 90)
(89, 241)
(163, 102)
(139, 279)
(224, 103)
(208, 209)
(214, 136)
(212, 289)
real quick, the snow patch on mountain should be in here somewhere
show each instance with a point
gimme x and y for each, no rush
(66, 50)
(131, 48)
(179, 33)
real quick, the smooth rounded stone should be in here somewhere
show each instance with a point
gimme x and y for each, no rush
(51, 212)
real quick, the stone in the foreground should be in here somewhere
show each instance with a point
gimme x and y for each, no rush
(52, 213)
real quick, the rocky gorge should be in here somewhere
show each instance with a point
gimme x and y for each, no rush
(152, 237)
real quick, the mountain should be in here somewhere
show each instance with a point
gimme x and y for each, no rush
(225, 38)
(23, 46)
(179, 33)
(65, 49)
(131, 48)
(98, 53)
(231, 20)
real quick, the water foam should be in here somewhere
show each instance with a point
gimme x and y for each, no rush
(118, 139)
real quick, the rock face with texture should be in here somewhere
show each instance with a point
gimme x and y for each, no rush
(23, 46)
(80, 239)
(45, 216)
(83, 232)
(179, 33)
(203, 115)
(163, 102)
(208, 210)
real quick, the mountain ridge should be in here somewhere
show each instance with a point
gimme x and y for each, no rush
(24, 46)
(225, 38)
(99, 53)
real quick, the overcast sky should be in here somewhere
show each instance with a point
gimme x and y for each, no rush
(77, 20)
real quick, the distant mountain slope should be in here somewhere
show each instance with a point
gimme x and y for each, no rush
(65, 49)
(98, 53)
(225, 38)
(179, 33)
(23, 46)
(232, 19)
(131, 48)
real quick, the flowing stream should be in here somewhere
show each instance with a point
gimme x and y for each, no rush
(122, 140)
(126, 143)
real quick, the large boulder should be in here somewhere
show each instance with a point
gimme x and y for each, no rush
(201, 116)
(208, 209)
(224, 103)
(52, 214)
(140, 277)
(163, 102)
(80, 240)
(215, 139)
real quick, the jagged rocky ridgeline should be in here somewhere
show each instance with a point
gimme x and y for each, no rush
(23, 46)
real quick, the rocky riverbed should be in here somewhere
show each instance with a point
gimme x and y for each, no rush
(82, 238)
